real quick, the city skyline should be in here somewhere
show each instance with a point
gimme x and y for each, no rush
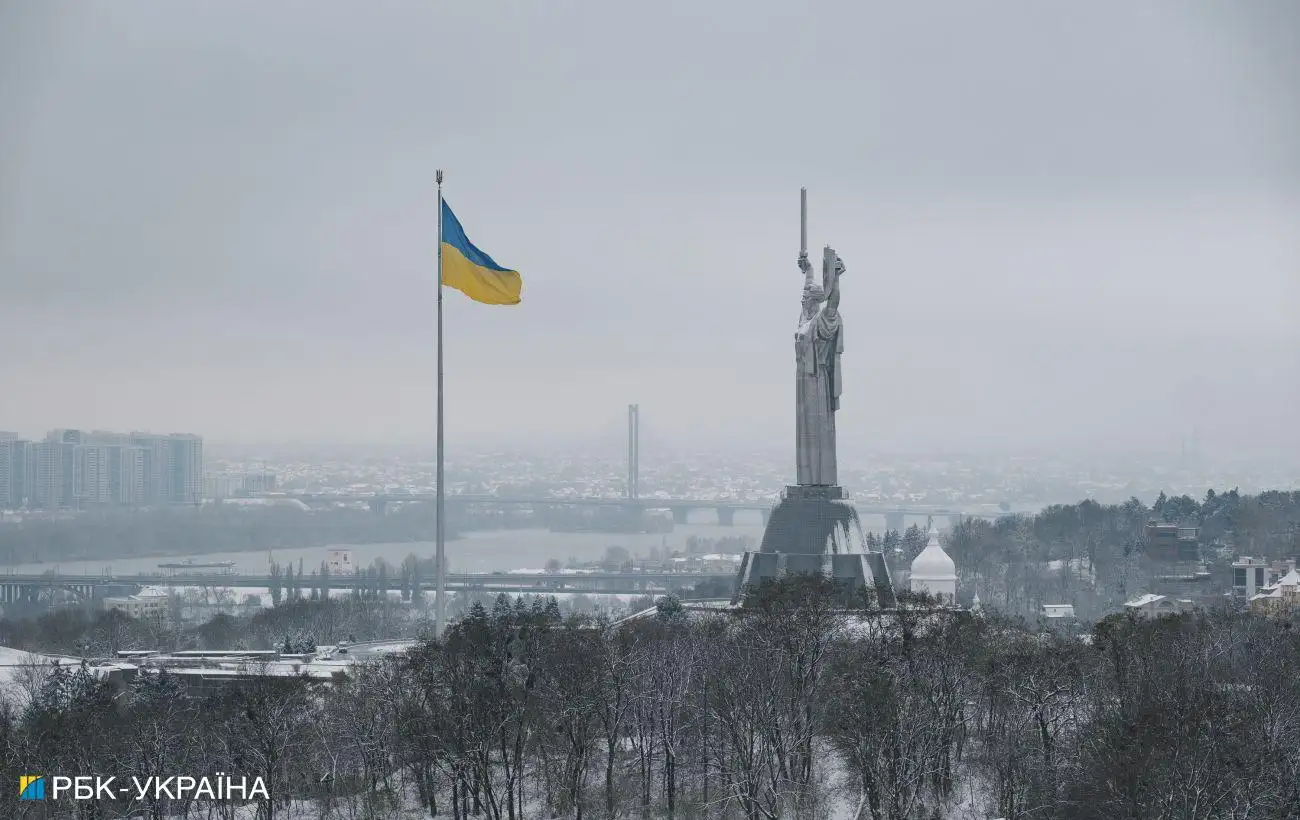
(71, 468)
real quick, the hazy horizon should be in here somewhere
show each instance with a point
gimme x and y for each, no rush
(1067, 229)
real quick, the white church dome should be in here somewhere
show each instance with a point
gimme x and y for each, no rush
(933, 564)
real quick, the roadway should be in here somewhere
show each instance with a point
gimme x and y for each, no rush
(606, 583)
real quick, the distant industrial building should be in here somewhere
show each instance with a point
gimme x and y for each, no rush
(262, 482)
(220, 487)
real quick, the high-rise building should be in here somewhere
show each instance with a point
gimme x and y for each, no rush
(122, 478)
(6, 470)
(16, 472)
(47, 475)
(154, 473)
(125, 474)
(71, 468)
(92, 472)
(65, 443)
(185, 466)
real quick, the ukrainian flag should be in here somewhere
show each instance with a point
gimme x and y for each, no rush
(472, 272)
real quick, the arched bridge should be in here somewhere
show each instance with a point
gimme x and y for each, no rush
(27, 587)
(681, 508)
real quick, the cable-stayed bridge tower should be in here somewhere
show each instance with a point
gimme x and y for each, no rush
(633, 451)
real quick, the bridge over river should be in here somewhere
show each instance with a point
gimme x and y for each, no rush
(28, 587)
(681, 508)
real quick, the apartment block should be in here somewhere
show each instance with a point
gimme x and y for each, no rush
(5, 468)
(15, 460)
(21, 472)
(185, 466)
(73, 469)
(47, 476)
(156, 476)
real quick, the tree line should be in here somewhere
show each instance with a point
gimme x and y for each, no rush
(792, 707)
(1094, 556)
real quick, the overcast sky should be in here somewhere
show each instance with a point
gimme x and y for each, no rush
(1067, 227)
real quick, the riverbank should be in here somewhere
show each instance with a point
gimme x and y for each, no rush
(475, 551)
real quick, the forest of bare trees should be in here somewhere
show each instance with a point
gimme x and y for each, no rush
(792, 708)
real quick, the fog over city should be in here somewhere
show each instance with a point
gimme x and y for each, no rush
(853, 411)
(1064, 231)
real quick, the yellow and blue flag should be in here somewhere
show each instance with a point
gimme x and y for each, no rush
(472, 272)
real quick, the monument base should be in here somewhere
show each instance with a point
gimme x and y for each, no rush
(815, 529)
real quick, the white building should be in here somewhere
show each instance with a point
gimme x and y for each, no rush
(1281, 596)
(148, 604)
(1058, 612)
(1153, 606)
(933, 572)
(340, 562)
(1250, 576)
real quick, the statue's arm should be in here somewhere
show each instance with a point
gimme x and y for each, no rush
(806, 267)
(833, 295)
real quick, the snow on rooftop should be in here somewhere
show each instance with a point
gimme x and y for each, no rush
(1144, 600)
(1291, 579)
(20, 670)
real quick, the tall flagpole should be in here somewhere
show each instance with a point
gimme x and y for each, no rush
(440, 556)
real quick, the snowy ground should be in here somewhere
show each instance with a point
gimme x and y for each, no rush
(21, 673)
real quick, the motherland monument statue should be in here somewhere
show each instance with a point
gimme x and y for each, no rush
(814, 528)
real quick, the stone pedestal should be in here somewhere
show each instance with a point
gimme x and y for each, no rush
(815, 529)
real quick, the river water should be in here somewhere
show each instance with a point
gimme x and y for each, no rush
(488, 551)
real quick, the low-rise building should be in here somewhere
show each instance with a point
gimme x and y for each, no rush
(1172, 543)
(1152, 606)
(147, 604)
(340, 562)
(206, 672)
(1280, 597)
(1250, 576)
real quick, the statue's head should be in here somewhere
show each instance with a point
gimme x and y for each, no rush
(813, 295)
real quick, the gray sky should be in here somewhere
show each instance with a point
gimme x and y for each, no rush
(1067, 226)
